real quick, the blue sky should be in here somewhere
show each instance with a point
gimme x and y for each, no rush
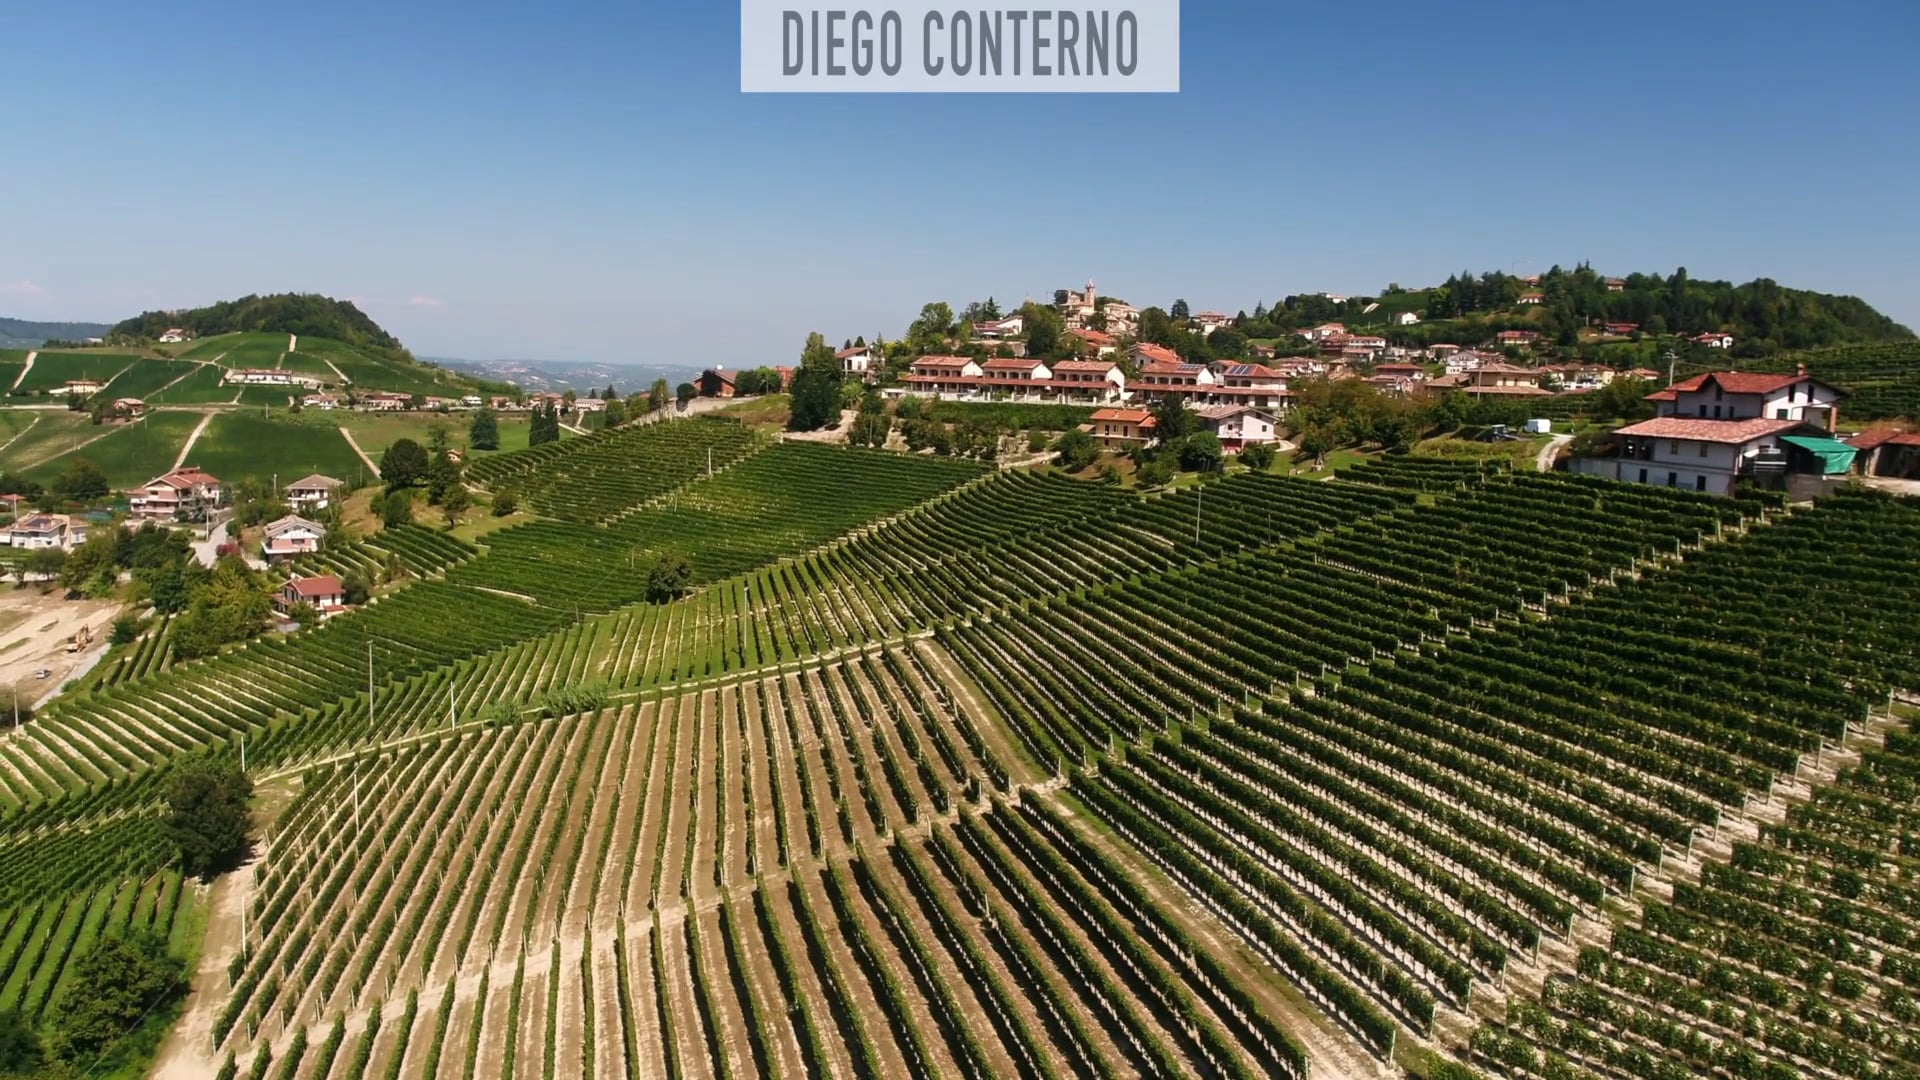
(586, 181)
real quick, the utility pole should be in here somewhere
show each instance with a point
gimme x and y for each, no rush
(1671, 359)
(1199, 493)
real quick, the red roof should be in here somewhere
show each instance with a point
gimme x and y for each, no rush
(1867, 440)
(1091, 367)
(1011, 364)
(316, 586)
(1158, 354)
(844, 353)
(1734, 382)
(1714, 431)
(1092, 337)
(1124, 416)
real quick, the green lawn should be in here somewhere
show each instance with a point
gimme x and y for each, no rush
(52, 370)
(15, 421)
(56, 432)
(146, 376)
(240, 444)
(130, 453)
(201, 387)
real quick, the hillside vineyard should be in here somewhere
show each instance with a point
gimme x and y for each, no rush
(947, 771)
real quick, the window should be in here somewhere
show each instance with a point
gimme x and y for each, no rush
(1699, 483)
(1703, 409)
(1673, 479)
(1779, 414)
(1643, 476)
(1703, 449)
(1673, 445)
(1716, 412)
(1718, 393)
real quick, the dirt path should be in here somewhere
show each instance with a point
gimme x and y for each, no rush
(293, 343)
(24, 368)
(372, 469)
(1544, 460)
(205, 419)
(187, 1053)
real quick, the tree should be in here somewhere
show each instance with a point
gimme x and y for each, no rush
(658, 395)
(504, 503)
(543, 425)
(816, 387)
(443, 476)
(929, 332)
(125, 629)
(685, 392)
(870, 429)
(207, 816)
(1316, 442)
(1257, 456)
(615, 413)
(1076, 450)
(1172, 420)
(1201, 452)
(19, 1047)
(1180, 311)
(669, 578)
(46, 564)
(454, 503)
(1155, 473)
(355, 589)
(305, 615)
(1043, 328)
(114, 985)
(403, 465)
(437, 437)
(82, 482)
(396, 510)
(484, 433)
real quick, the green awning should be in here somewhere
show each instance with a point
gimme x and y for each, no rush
(1834, 454)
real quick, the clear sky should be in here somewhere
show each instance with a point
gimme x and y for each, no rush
(585, 181)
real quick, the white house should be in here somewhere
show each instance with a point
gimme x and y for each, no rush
(47, 531)
(858, 361)
(1742, 395)
(312, 492)
(292, 536)
(1407, 318)
(1239, 426)
(268, 377)
(179, 493)
(326, 594)
(173, 336)
(1714, 341)
(323, 402)
(1713, 455)
(1325, 331)
(85, 387)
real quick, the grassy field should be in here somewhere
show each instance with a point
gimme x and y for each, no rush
(377, 431)
(129, 454)
(308, 364)
(369, 372)
(241, 444)
(146, 376)
(201, 387)
(13, 422)
(239, 350)
(274, 397)
(55, 432)
(51, 370)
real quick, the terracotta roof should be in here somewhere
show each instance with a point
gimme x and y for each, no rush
(954, 362)
(1012, 364)
(1158, 354)
(1867, 440)
(1098, 367)
(314, 481)
(1509, 391)
(185, 478)
(1501, 368)
(1092, 337)
(1124, 416)
(294, 521)
(316, 586)
(844, 353)
(1732, 432)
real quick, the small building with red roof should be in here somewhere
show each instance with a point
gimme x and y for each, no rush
(325, 593)
(1121, 429)
(1740, 395)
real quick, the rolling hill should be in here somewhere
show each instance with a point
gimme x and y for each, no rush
(26, 334)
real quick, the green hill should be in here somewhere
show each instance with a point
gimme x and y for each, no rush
(306, 314)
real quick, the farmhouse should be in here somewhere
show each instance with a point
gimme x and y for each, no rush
(179, 495)
(1253, 385)
(1615, 284)
(1121, 429)
(1619, 329)
(1097, 343)
(326, 594)
(1740, 395)
(47, 531)
(382, 401)
(1209, 321)
(173, 336)
(312, 492)
(1533, 298)
(1713, 340)
(323, 402)
(268, 377)
(1325, 331)
(1519, 339)
(859, 361)
(1713, 455)
(1000, 329)
(129, 407)
(85, 387)
(1499, 379)
(291, 536)
(715, 383)
(1239, 426)
(1406, 318)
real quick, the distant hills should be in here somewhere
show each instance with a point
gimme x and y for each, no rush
(559, 376)
(24, 334)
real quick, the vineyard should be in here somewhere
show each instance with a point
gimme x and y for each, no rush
(1882, 381)
(946, 771)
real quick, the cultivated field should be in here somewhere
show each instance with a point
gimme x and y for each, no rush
(940, 770)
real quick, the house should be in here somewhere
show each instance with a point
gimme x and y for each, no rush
(1615, 284)
(1000, 329)
(1533, 298)
(180, 495)
(1096, 342)
(1189, 382)
(325, 593)
(312, 492)
(858, 361)
(84, 387)
(1209, 321)
(292, 536)
(715, 383)
(130, 407)
(1239, 426)
(1741, 395)
(173, 336)
(943, 375)
(323, 402)
(1078, 307)
(589, 405)
(1713, 455)
(1408, 371)
(1146, 353)
(1121, 318)
(1250, 385)
(1619, 329)
(1325, 331)
(1888, 452)
(1500, 379)
(383, 401)
(1640, 373)
(1121, 429)
(1406, 318)
(1015, 377)
(47, 531)
(1713, 341)
(268, 377)
(1442, 350)
(1519, 339)
(1091, 381)
(472, 401)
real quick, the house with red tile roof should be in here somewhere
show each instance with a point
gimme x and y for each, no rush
(1533, 298)
(1121, 429)
(1713, 340)
(1713, 456)
(183, 494)
(1888, 452)
(292, 536)
(1239, 426)
(325, 593)
(1096, 342)
(1739, 395)
(1522, 339)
